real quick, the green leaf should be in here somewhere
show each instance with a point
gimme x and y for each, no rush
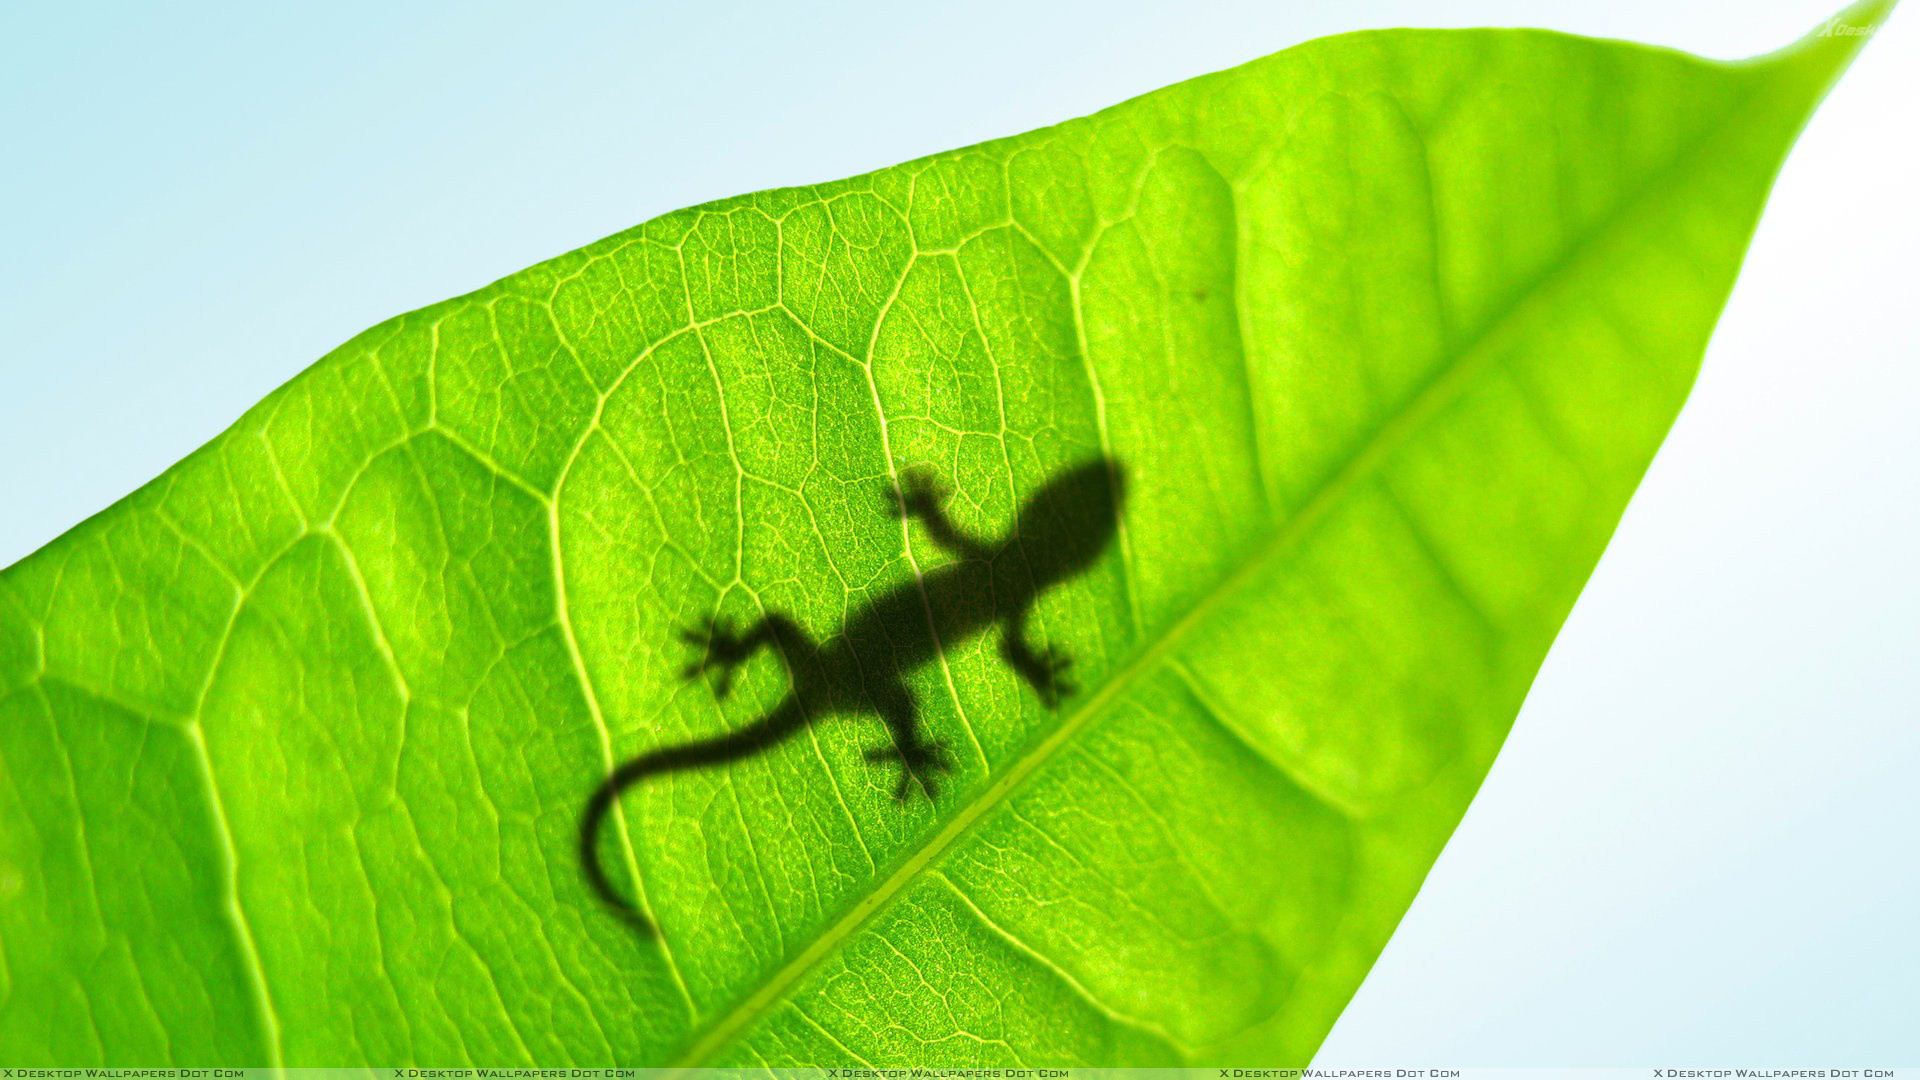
(294, 741)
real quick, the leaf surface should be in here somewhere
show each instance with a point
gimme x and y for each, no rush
(1385, 328)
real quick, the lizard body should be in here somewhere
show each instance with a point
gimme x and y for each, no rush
(1060, 532)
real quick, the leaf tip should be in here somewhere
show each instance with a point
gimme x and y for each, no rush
(1843, 33)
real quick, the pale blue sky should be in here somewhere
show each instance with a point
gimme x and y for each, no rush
(1697, 846)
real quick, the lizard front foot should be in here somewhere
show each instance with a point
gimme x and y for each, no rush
(920, 760)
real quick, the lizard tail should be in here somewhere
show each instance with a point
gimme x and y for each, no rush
(732, 746)
(598, 807)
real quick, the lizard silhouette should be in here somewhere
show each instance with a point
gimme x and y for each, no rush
(1060, 532)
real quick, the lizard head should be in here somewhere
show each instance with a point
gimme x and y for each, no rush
(1066, 525)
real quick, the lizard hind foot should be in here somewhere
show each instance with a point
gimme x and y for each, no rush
(1052, 681)
(920, 762)
(1045, 670)
(920, 493)
(722, 649)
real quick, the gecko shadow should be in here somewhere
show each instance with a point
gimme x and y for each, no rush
(1060, 532)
